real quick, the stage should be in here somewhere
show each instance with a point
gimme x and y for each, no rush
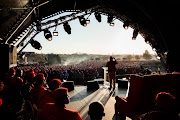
(81, 98)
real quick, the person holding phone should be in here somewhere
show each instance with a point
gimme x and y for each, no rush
(112, 71)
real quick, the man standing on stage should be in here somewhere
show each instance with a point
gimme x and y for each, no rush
(112, 71)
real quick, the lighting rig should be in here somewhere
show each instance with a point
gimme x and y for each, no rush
(45, 24)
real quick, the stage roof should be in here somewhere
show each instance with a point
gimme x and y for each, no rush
(156, 20)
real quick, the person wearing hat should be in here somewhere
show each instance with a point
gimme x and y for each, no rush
(54, 84)
(96, 111)
(165, 109)
(48, 98)
(29, 84)
(57, 110)
(39, 90)
(112, 71)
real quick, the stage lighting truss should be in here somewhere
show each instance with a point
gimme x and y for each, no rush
(26, 40)
(44, 24)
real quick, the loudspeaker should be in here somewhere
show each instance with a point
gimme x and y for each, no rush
(8, 57)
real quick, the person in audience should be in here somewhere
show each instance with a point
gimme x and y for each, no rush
(57, 110)
(165, 109)
(14, 91)
(96, 111)
(54, 84)
(29, 85)
(39, 90)
(112, 71)
(48, 98)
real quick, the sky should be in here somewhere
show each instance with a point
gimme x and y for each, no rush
(95, 38)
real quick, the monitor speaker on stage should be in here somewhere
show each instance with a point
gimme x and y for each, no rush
(8, 57)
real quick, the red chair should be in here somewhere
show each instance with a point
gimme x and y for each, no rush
(127, 106)
(141, 96)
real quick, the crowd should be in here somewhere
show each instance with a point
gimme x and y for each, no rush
(41, 87)
(82, 72)
(26, 98)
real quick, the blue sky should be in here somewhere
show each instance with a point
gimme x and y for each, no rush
(95, 38)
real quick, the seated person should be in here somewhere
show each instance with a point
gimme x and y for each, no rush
(54, 84)
(96, 111)
(48, 98)
(165, 109)
(39, 90)
(57, 110)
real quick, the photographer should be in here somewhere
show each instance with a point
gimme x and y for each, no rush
(112, 71)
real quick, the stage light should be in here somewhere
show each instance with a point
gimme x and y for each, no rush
(67, 28)
(55, 33)
(147, 40)
(82, 21)
(97, 16)
(110, 18)
(22, 55)
(126, 25)
(87, 21)
(112, 24)
(158, 57)
(47, 35)
(135, 33)
(35, 44)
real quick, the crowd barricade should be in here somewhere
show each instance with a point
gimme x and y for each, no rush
(143, 90)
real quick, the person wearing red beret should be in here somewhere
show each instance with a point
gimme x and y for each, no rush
(48, 98)
(165, 109)
(57, 110)
(39, 90)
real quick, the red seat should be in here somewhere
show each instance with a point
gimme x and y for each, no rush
(141, 95)
(142, 92)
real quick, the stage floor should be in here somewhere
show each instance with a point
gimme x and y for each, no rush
(81, 98)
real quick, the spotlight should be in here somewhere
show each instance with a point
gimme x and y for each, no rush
(97, 16)
(67, 28)
(126, 25)
(87, 21)
(47, 35)
(110, 18)
(147, 39)
(35, 44)
(55, 33)
(22, 55)
(82, 21)
(135, 33)
(111, 24)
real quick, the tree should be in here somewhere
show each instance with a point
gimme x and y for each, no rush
(147, 55)
(137, 57)
(129, 57)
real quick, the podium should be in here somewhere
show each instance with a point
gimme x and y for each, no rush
(106, 84)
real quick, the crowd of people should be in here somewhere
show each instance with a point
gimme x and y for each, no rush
(82, 72)
(41, 86)
(48, 103)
